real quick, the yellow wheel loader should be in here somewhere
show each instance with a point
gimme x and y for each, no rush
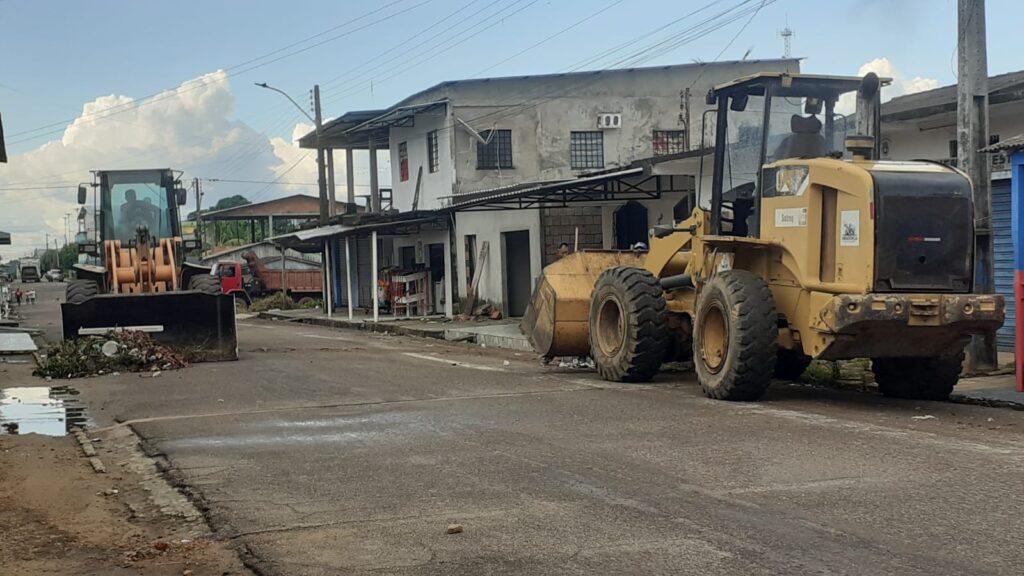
(803, 245)
(135, 276)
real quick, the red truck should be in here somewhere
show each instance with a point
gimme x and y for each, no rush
(253, 279)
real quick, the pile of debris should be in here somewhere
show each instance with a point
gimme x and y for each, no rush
(481, 312)
(120, 351)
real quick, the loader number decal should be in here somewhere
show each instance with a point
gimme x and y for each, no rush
(850, 228)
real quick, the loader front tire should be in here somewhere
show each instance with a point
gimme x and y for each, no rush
(205, 283)
(79, 291)
(918, 378)
(735, 336)
(629, 334)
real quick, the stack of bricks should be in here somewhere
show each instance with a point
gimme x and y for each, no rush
(560, 225)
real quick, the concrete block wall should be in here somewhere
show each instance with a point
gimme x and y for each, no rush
(560, 225)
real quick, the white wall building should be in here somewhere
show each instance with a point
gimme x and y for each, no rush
(461, 139)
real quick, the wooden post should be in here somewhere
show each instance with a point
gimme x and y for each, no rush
(972, 136)
(350, 178)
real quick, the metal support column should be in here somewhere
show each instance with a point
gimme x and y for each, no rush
(348, 277)
(374, 189)
(373, 264)
(350, 178)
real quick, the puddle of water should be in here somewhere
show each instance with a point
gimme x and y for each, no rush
(50, 411)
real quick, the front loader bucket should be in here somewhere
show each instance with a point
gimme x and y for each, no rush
(200, 325)
(557, 321)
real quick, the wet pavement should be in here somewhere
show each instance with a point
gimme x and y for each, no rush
(40, 410)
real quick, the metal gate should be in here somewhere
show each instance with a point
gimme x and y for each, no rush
(1003, 240)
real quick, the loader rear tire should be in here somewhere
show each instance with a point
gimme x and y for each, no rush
(791, 364)
(918, 378)
(205, 283)
(79, 291)
(735, 336)
(629, 333)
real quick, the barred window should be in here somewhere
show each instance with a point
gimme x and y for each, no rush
(432, 161)
(586, 149)
(403, 161)
(497, 153)
(669, 142)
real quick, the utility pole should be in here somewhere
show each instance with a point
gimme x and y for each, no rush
(197, 186)
(971, 137)
(321, 172)
(66, 216)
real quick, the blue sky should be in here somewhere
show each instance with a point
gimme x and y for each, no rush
(62, 55)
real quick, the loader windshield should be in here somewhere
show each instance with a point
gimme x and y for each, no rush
(134, 199)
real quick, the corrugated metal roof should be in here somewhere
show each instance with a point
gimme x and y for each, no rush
(944, 99)
(1014, 143)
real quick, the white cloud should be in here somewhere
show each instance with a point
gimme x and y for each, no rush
(900, 86)
(190, 128)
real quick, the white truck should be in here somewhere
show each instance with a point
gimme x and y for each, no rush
(29, 270)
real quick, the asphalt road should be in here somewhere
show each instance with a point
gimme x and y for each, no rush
(335, 452)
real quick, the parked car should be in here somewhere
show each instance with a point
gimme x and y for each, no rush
(54, 275)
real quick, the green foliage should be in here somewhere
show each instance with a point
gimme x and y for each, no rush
(276, 301)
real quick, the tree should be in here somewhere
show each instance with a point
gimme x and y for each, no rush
(222, 204)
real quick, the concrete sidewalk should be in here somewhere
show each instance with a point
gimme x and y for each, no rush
(1000, 390)
(490, 333)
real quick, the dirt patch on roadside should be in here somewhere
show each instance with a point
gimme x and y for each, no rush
(60, 517)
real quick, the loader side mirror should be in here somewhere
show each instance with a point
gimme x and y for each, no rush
(738, 103)
(82, 193)
(711, 99)
(661, 231)
(181, 196)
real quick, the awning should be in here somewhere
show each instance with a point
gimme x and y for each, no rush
(5, 238)
(402, 117)
(311, 240)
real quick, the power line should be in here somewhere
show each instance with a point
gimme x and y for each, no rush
(275, 182)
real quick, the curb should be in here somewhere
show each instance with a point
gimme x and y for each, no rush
(364, 326)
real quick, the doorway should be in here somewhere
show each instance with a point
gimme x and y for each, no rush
(630, 225)
(516, 246)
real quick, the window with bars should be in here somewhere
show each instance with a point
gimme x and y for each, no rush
(586, 149)
(403, 161)
(432, 160)
(497, 153)
(669, 142)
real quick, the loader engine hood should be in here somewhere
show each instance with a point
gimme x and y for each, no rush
(924, 231)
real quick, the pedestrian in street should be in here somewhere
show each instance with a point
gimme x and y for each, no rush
(31, 297)
(17, 295)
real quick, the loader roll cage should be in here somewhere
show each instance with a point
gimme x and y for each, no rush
(767, 117)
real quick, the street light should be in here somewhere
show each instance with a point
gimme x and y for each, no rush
(320, 176)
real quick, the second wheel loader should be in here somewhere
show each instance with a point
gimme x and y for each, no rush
(138, 278)
(803, 245)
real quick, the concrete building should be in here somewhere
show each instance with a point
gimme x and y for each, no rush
(525, 163)
(923, 126)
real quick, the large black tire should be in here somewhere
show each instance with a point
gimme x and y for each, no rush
(205, 283)
(791, 364)
(735, 336)
(918, 378)
(78, 291)
(628, 325)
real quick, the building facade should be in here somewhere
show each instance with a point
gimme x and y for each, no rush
(468, 138)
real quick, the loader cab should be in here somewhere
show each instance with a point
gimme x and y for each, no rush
(130, 199)
(768, 117)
